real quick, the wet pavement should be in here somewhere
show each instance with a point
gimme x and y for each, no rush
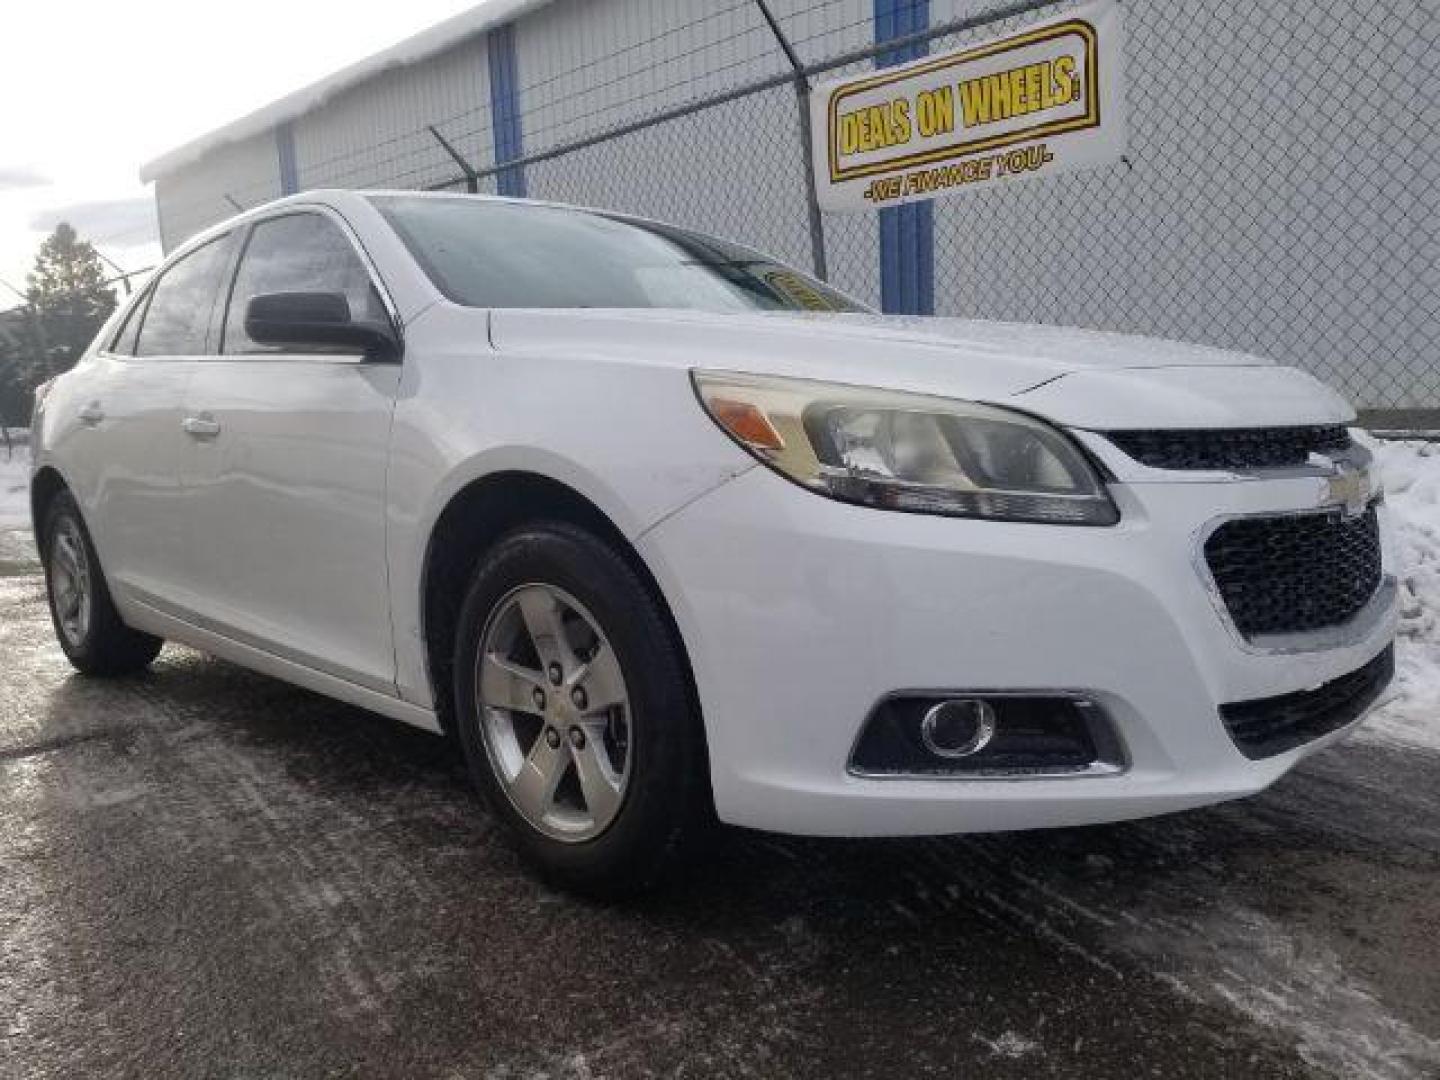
(204, 872)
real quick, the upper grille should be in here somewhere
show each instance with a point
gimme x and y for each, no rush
(1295, 573)
(1271, 726)
(1231, 448)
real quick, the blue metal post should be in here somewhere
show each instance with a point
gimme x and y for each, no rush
(907, 233)
(505, 109)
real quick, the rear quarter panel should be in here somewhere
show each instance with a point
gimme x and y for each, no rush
(56, 439)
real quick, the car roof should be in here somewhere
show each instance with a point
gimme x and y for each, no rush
(342, 198)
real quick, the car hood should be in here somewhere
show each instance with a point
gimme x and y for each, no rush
(1081, 378)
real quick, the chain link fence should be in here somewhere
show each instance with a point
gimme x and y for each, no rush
(1278, 196)
(1279, 193)
(670, 171)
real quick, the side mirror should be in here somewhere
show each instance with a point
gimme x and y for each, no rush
(317, 320)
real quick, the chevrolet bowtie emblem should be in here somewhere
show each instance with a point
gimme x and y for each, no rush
(1349, 488)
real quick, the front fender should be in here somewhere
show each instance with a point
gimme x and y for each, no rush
(630, 438)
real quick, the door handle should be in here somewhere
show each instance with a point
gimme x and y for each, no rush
(91, 414)
(200, 427)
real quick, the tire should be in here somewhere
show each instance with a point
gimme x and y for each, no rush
(608, 620)
(89, 629)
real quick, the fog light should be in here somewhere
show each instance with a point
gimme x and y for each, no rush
(958, 728)
(986, 735)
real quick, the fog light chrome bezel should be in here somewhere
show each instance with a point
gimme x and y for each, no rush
(983, 721)
(1111, 758)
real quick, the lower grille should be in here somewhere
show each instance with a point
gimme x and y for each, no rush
(1270, 726)
(1295, 573)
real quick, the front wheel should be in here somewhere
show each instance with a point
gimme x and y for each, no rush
(575, 712)
(90, 630)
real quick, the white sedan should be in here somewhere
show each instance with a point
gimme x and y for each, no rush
(662, 530)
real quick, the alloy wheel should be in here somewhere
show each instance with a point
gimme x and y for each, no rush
(554, 712)
(71, 582)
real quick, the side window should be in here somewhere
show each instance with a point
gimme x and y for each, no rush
(181, 304)
(123, 343)
(297, 253)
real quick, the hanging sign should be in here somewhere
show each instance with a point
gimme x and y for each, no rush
(1033, 103)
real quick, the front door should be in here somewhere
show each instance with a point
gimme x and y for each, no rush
(286, 482)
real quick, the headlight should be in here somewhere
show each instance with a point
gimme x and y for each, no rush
(910, 452)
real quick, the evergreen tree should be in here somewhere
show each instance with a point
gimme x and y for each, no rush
(68, 291)
(12, 394)
(19, 366)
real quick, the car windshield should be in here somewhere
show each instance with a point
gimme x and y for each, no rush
(494, 254)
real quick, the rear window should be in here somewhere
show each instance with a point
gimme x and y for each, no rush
(493, 254)
(181, 303)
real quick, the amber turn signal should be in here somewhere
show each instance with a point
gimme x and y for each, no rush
(747, 424)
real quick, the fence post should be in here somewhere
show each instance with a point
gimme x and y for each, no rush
(472, 179)
(802, 98)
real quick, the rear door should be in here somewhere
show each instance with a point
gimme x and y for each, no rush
(287, 474)
(131, 446)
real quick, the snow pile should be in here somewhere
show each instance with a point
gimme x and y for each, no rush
(14, 489)
(1410, 713)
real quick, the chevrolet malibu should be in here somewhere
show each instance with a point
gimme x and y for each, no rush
(662, 530)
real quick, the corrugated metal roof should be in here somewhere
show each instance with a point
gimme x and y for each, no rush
(412, 50)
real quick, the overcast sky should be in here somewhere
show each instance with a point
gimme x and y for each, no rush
(91, 91)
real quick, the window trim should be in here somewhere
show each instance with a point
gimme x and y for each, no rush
(134, 309)
(377, 281)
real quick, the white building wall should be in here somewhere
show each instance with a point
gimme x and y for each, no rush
(734, 169)
(192, 198)
(585, 67)
(819, 31)
(374, 134)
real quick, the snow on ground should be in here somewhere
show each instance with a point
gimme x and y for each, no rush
(14, 488)
(1410, 713)
(16, 546)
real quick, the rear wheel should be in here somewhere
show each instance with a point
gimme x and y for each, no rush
(575, 711)
(89, 628)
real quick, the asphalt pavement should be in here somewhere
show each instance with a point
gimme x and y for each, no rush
(207, 873)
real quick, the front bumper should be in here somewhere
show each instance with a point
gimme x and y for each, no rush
(800, 613)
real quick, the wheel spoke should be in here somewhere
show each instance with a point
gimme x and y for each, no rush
(533, 789)
(70, 582)
(507, 685)
(598, 783)
(60, 560)
(541, 612)
(62, 580)
(602, 681)
(69, 552)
